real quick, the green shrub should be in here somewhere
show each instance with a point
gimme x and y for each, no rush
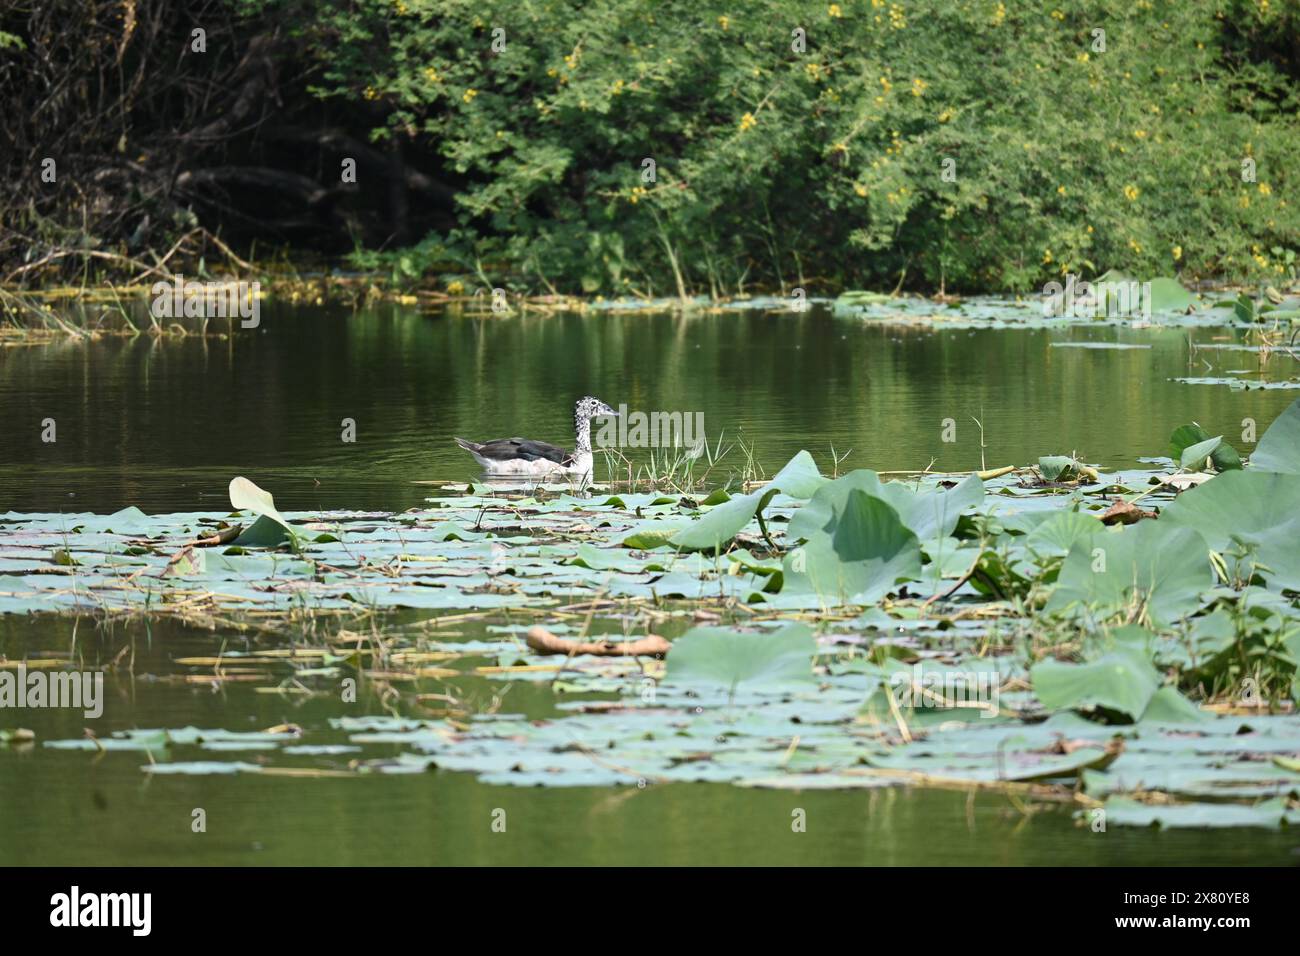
(825, 168)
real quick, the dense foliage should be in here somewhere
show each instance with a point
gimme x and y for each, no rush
(967, 144)
(780, 167)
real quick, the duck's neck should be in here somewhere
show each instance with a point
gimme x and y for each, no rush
(582, 428)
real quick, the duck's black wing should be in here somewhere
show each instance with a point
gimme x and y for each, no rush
(510, 449)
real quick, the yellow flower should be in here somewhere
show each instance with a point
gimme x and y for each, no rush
(1060, 190)
(1133, 244)
(1244, 202)
(724, 21)
(455, 287)
(432, 75)
(860, 189)
(617, 88)
(1265, 189)
(918, 86)
(1047, 256)
(945, 116)
(370, 93)
(885, 84)
(1178, 253)
(834, 10)
(999, 15)
(1082, 57)
(469, 95)
(747, 122)
(1131, 192)
(1139, 134)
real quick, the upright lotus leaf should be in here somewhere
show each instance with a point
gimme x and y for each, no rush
(861, 554)
(712, 530)
(246, 496)
(1168, 706)
(798, 479)
(730, 659)
(816, 514)
(1056, 467)
(933, 512)
(1197, 457)
(928, 513)
(1169, 295)
(1255, 511)
(1223, 455)
(1058, 534)
(1152, 570)
(1121, 681)
(1279, 448)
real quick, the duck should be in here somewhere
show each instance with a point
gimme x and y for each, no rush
(526, 458)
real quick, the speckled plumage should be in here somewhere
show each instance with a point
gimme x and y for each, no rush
(525, 458)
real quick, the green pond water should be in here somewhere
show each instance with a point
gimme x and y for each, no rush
(164, 426)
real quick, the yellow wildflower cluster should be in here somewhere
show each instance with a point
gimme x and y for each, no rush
(999, 15)
(432, 75)
(747, 122)
(637, 192)
(1131, 192)
(918, 86)
(834, 11)
(469, 95)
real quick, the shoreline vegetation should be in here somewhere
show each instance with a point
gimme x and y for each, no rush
(690, 151)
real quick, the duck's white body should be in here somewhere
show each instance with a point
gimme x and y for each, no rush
(537, 468)
(525, 458)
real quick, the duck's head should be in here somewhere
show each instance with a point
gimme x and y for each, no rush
(588, 408)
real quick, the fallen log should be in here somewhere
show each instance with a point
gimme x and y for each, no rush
(544, 642)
